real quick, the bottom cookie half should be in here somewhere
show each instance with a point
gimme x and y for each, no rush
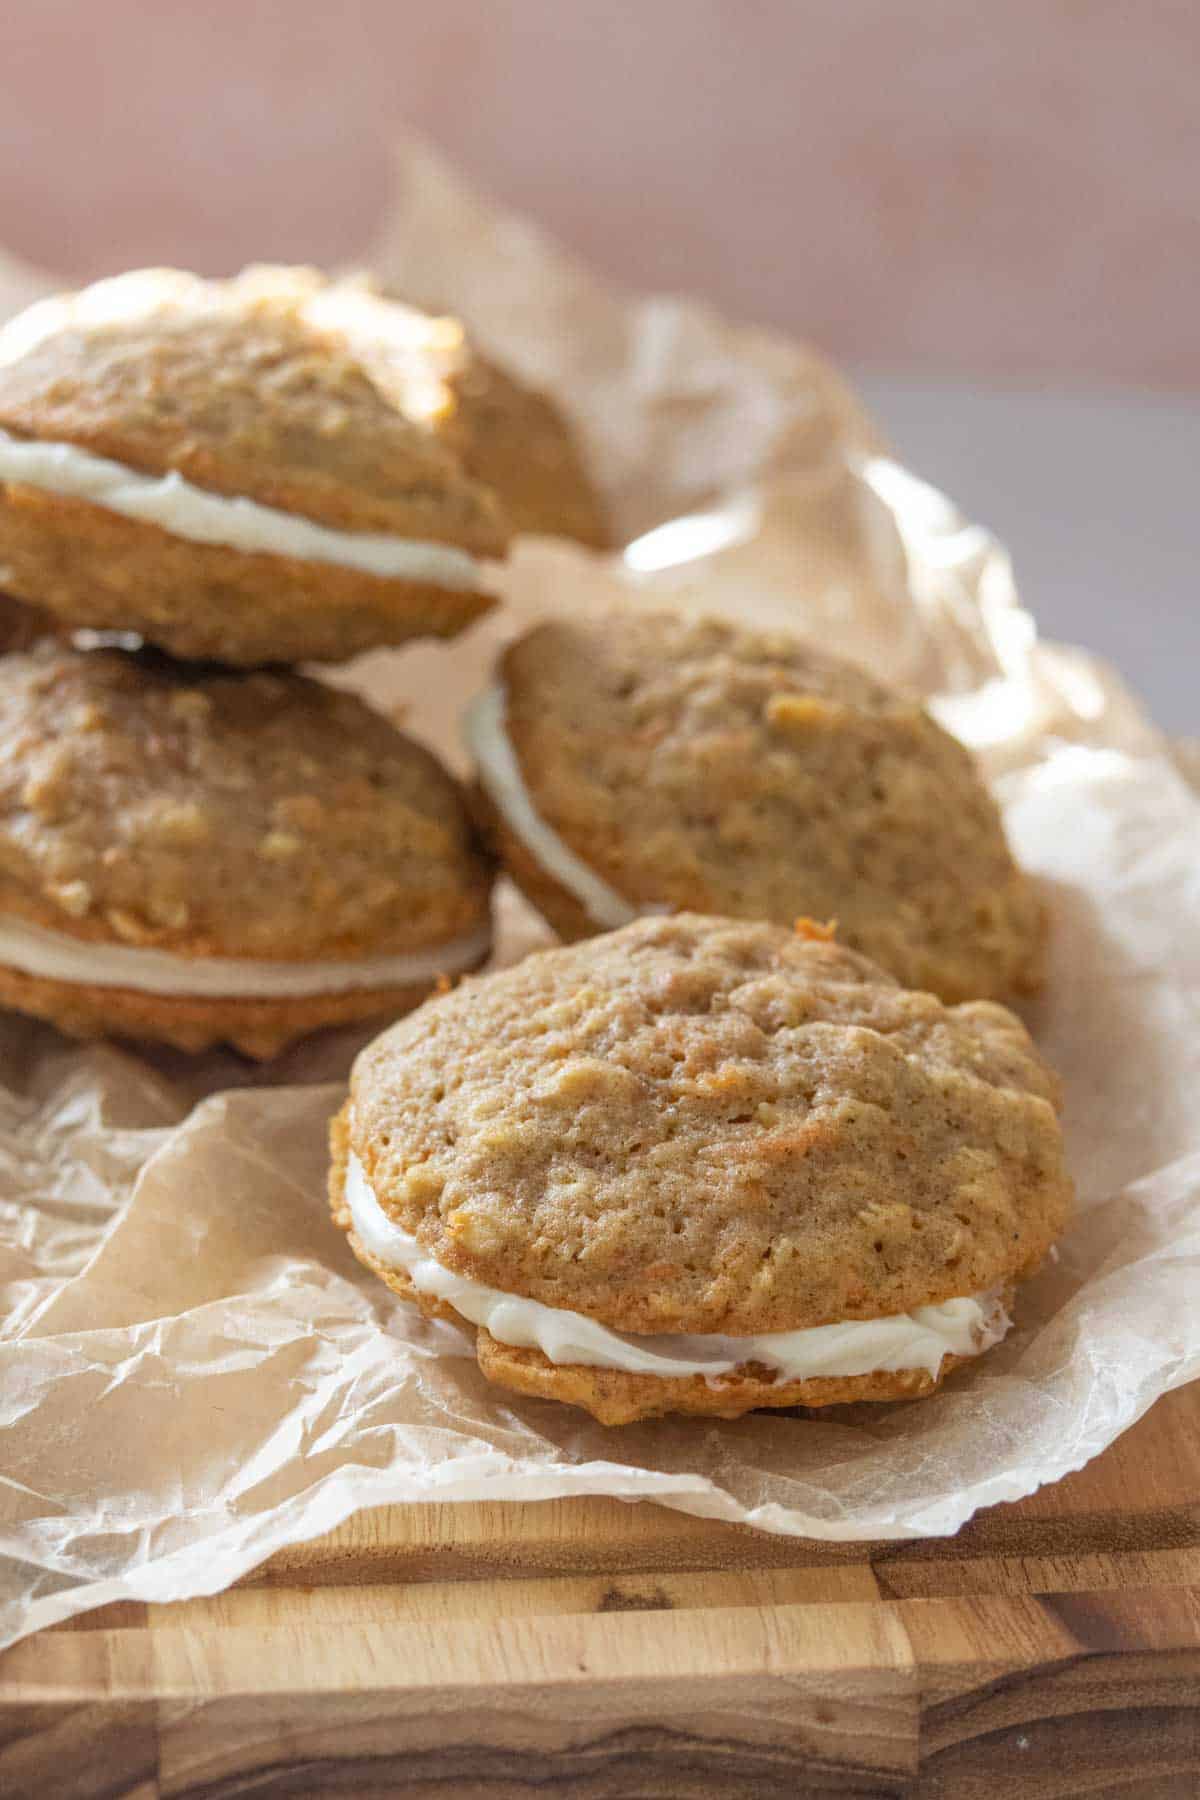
(258, 1028)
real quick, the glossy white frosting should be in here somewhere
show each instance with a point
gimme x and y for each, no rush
(207, 518)
(500, 774)
(53, 956)
(916, 1340)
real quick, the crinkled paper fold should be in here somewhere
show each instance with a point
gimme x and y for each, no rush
(194, 1372)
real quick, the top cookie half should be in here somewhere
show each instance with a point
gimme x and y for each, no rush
(710, 1125)
(270, 469)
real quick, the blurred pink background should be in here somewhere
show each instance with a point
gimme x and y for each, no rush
(912, 183)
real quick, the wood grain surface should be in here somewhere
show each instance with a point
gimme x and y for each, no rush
(592, 1649)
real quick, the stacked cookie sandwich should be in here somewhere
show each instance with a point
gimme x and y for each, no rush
(198, 844)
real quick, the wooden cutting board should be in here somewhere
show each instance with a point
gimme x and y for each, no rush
(592, 1649)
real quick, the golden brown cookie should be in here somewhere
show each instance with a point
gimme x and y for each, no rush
(269, 469)
(704, 1165)
(518, 443)
(195, 856)
(641, 762)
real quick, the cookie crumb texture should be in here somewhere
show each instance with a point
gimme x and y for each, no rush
(698, 766)
(263, 816)
(702, 1125)
(346, 418)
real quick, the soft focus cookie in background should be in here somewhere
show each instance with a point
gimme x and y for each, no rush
(518, 443)
(268, 469)
(634, 763)
(702, 1165)
(196, 857)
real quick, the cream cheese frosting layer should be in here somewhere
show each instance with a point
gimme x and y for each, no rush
(499, 771)
(916, 1340)
(186, 511)
(53, 956)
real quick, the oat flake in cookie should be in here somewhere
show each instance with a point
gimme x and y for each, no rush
(268, 469)
(702, 1165)
(644, 761)
(196, 857)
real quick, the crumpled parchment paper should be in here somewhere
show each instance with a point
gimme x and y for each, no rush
(194, 1372)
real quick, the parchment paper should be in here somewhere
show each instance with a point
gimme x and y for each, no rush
(194, 1370)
